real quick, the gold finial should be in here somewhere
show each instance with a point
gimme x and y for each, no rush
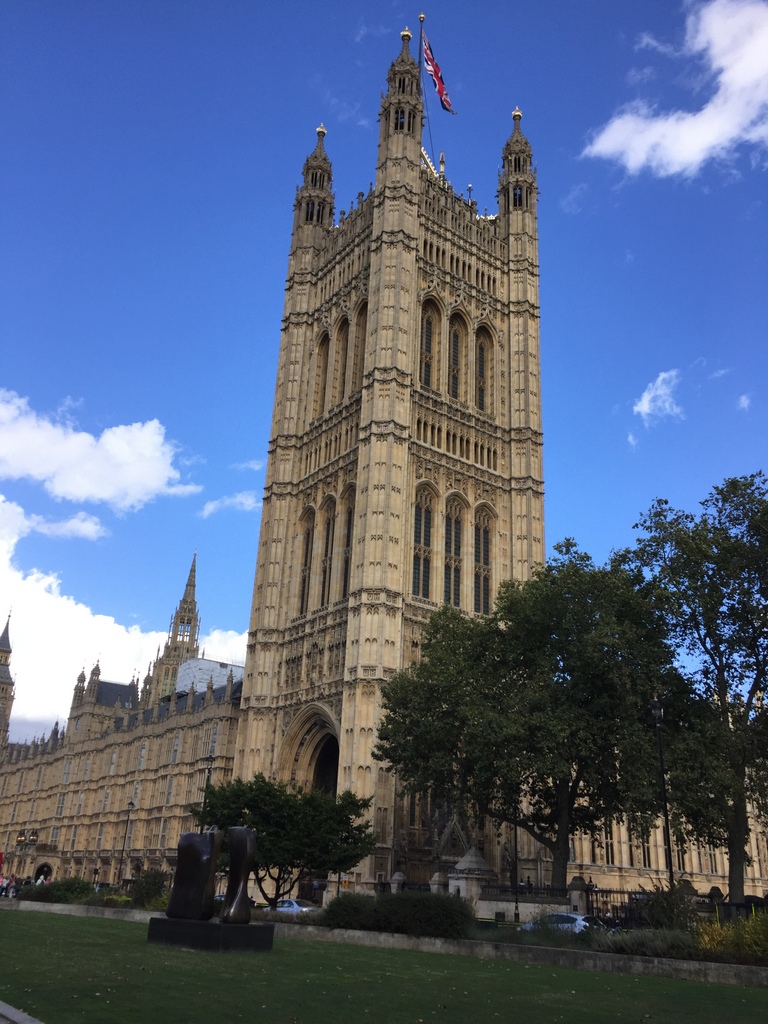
(421, 18)
(322, 131)
(406, 36)
(517, 114)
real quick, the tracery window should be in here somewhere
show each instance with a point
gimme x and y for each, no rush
(425, 359)
(322, 375)
(327, 562)
(343, 349)
(306, 563)
(452, 571)
(483, 563)
(422, 544)
(456, 345)
(347, 550)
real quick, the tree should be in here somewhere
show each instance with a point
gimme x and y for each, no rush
(298, 832)
(712, 570)
(539, 714)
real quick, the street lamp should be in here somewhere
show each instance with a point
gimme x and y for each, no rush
(657, 713)
(517, 871)
(130, 807)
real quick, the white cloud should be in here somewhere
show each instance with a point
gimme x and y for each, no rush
(744, 403)
(572, 202)
(245, 501)
(125, 467)
(54, 636)
(255, 464)
(730, 37)
(658, 399)
(632, 440)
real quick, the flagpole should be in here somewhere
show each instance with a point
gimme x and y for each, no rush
(421, 44)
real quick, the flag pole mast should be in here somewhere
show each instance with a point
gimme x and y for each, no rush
(421, 43)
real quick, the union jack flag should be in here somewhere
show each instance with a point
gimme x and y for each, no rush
(433, 70)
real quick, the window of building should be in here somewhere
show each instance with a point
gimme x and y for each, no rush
(60, 805)
(100, 837)
(422, 544)
(113, 762)
(73, 841)
(456, 347)
(105, 802)
(610, 853)
(306, 563)
(452, 571)
(322, 375)
(142, 755)
(326, 565)
(169, 791)
(55, 835)
(645, 850)
(163, 833)
(87, 769)
(175, 750)
(483, 563)
(214, 737)
(347, 551)
(342, 339)
(67, 771)
(427, 329)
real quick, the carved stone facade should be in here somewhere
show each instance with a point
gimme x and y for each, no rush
(108, 796)
(405, 462)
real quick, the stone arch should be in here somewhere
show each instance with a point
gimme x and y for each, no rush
(44, 871)
(309, 748)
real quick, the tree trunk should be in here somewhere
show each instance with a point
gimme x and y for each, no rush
(737, 846)
(561, 845)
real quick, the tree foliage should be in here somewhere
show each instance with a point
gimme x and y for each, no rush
(711, 571)
(298, 832)
(539, 713)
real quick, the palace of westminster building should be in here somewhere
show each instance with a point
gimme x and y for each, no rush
(404, 471)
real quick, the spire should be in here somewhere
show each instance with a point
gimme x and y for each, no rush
(314, 205)
(401, 110)
(517, 180)
(189, 590)
(5, 640)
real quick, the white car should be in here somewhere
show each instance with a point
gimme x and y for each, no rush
(563, 923)
(295, 906)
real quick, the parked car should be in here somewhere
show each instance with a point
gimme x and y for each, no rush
(564, 923)
(296, 906)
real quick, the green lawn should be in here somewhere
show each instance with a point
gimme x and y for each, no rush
(66, 969)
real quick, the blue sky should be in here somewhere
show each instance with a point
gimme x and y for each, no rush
(150, 154)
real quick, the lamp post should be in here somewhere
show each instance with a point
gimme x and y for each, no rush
(517, 870)
(657, 713)
(130, 807)
(209, 758)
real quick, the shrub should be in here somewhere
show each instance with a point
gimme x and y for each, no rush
(427, 914)
(666, 943)
(64, 890)
(148, 887)
(745, 939)
(407, 913)
(670, 908)
(349, 910)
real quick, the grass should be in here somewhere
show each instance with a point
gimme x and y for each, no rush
(67, 969)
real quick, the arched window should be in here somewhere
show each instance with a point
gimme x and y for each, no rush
(456, 345)
(427, 342)
(398, 119)
(483, 371)
(348, 525)
(322, 375)
(309, 216)
(422, 544)
(452, 573)
(306, 562)
(361, 323)
(483, 563)
(327, 562)
(342, 344)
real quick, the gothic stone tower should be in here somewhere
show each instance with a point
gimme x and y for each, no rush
(405, 462)
(6, 682)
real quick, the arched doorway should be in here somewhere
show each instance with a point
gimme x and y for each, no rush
(327, 766)
(44, 871)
